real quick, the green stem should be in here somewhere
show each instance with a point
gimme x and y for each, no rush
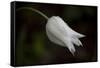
(32, 9)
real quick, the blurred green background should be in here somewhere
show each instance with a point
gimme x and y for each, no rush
(32, 44)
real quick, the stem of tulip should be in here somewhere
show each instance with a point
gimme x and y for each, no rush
(35, 10)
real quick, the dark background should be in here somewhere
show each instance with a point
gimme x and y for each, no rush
(32, 44)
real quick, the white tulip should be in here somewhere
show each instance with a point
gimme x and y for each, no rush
(60, 33)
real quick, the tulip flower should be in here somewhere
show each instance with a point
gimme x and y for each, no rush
(59, 32)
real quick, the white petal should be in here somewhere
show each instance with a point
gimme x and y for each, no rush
(76, 41)
(53, 38)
